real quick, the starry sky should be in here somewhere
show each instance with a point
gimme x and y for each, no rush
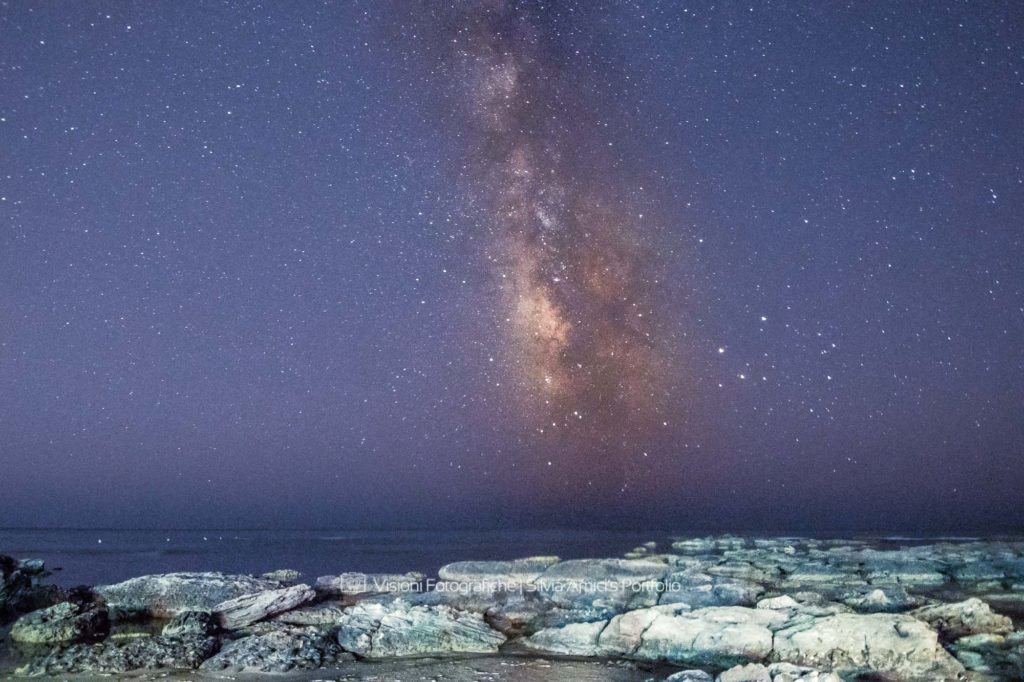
(500, 263)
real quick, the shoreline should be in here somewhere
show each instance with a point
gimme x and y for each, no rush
(740, 608)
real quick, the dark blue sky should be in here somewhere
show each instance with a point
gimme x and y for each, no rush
(637, 263)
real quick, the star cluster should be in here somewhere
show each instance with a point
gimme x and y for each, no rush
(576, 272)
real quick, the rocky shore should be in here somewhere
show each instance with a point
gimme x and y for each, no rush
(719, 608)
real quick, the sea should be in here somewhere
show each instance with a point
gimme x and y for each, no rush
(103, 556)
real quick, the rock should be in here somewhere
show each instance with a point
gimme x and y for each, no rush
(903, 567)
(620, 636)
(379, 630)
(277, 649)
(996, 656)
(362, 584)
(245, 610)
(981, 641)
(169, 594)
(122, 656)
(787, 672)
(573, 639)
(64, 622)
(20, 590)
(600, 588)
(189, 624)
(624, 632)
(32, 567)
(516, 572)
(890, 599)
(701, 589)
(777, 603)
(888, 644)
(717, 636)
(325, 614)
(694, 545)
(283, 575)
(970, 617)
(690, 676)
(752, 672)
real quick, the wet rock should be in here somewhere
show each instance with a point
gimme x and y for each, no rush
(64, 622)
(168, 594)
(245, 610)
(122, 656)
(970, 617)
(398, 629)
(896, 645)
(277, 649)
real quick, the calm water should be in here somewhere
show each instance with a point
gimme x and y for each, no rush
(93, 557)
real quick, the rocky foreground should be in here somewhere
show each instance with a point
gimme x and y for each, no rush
(720, 608)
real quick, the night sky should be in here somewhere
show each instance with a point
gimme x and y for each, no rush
(486, 263)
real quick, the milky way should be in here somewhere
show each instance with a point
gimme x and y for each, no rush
(575, 270)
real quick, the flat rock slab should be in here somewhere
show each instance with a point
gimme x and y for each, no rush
(377, 630)
(517, 571)
(895, 645)
(245, 610)
(168, 594)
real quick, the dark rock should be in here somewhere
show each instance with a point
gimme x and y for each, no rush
(64, 622)
(278, 649)
(113, 656)
(20, 590)
(190, 624)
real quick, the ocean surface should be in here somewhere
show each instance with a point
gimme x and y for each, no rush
(97, 556)
(91, 557)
